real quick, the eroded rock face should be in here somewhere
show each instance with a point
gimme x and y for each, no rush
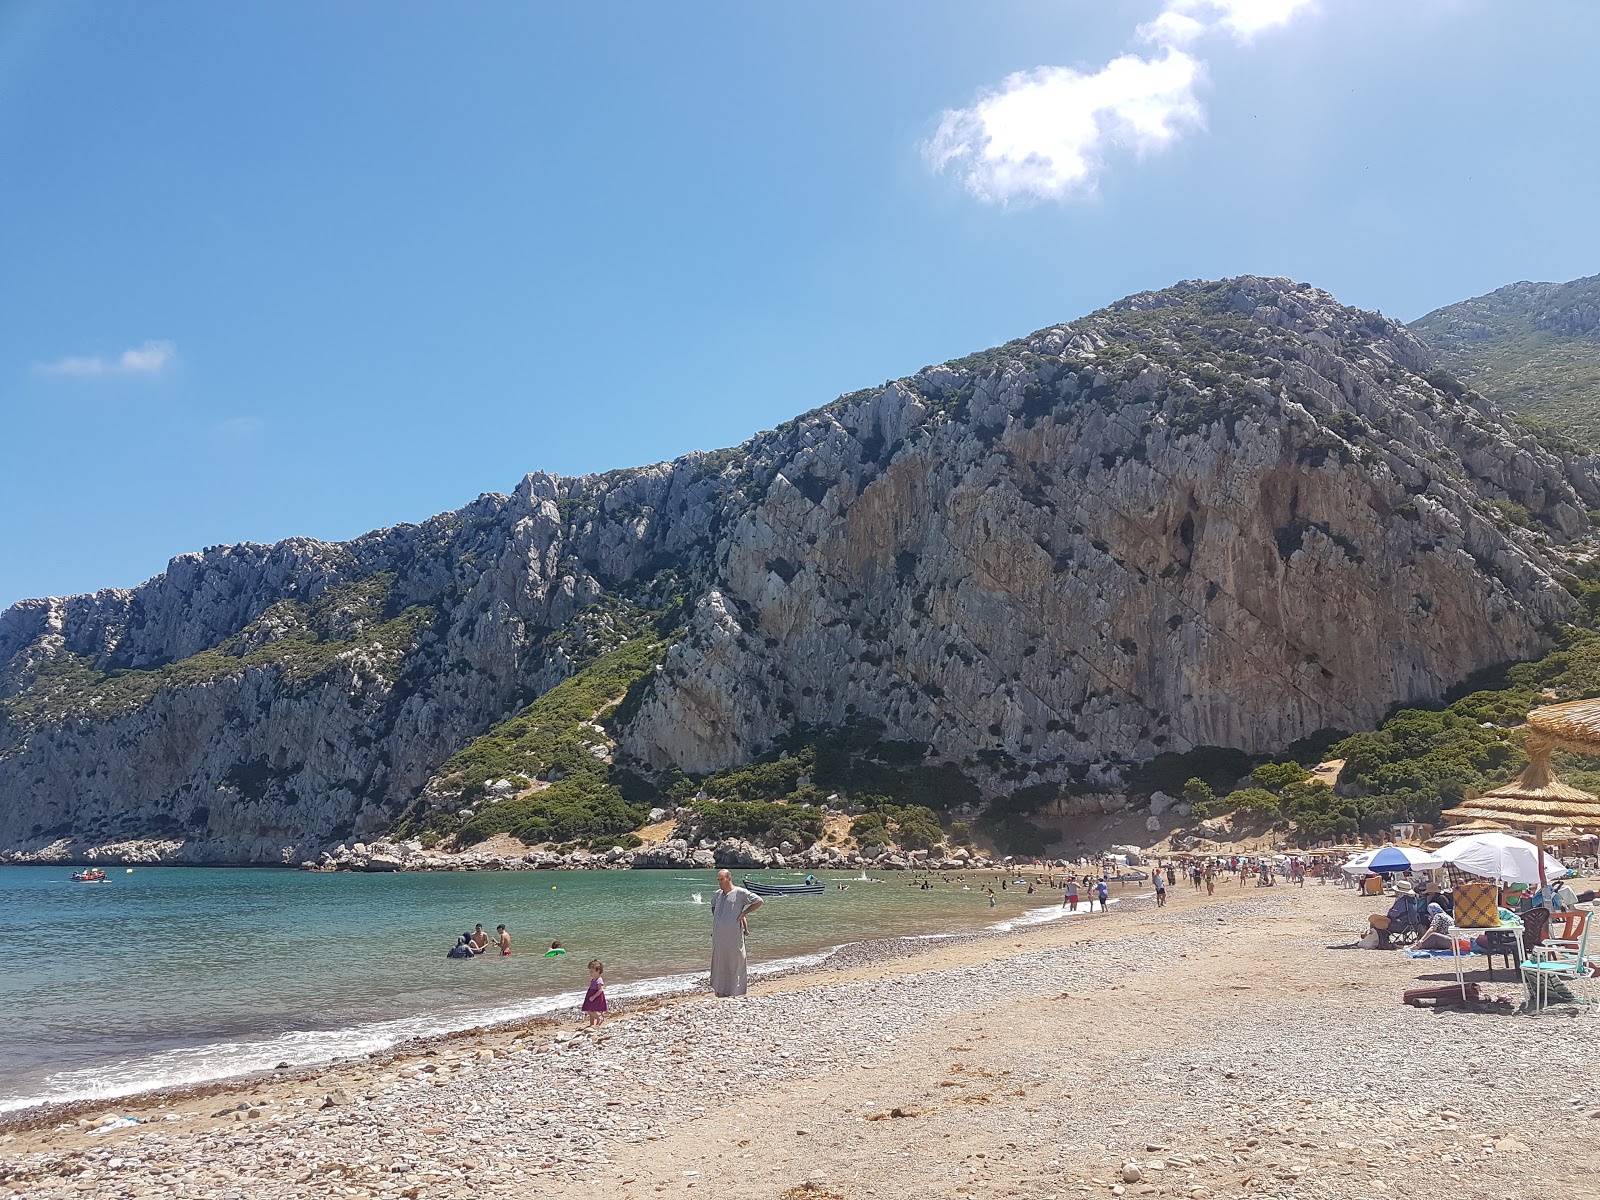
(1115, 552)
(1225, 514)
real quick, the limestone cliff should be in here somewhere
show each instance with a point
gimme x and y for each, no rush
(1231, 514)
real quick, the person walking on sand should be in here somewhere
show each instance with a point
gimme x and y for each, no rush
(1103, 894)
(1070, 900)
(594, 1000)
(1161, 890)
(505, 941)
(729, 908)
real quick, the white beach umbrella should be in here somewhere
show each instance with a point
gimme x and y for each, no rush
(1500, 856)
(1358, 864)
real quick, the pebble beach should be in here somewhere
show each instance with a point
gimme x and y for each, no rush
(1224, 1046)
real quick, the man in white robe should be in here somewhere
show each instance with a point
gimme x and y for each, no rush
(729, 907)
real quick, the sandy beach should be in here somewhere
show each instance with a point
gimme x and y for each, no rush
(1222, 1046)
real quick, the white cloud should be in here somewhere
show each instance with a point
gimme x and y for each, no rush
(1172, 28)
(1242, 18)
(149, 359)
(1046, 134)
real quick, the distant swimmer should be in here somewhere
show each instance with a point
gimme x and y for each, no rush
(505, 940)
(555, 950)
(480, 939)
(462, 948)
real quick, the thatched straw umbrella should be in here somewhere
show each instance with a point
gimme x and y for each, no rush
(1572, 726)
(1537, 800)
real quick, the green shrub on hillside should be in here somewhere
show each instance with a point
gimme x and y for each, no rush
(853, 760)
(554, 730)
(555, 735)
(1423, 760)
(1218, 766)
(800, 824)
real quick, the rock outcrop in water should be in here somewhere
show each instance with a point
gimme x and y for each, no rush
(1222, 514)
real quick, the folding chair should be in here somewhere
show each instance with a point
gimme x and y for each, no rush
(1559, 960)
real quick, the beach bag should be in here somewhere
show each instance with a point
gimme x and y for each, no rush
(1477, 906)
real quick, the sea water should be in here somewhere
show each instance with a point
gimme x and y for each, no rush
(174, 975)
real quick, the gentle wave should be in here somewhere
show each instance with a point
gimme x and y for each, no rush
(1040, 916)
(220, 1061)
(234, 1058)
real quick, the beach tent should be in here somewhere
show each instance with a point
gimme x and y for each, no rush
(1502, 857)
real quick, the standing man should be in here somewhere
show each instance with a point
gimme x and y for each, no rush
(1161, 890)
(1103, 894)
(1070, 899)
(480, 940)
(505, 940)
(729, 907)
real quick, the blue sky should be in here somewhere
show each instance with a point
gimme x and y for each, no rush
(284, 269)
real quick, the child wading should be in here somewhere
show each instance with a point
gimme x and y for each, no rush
(594, 1001)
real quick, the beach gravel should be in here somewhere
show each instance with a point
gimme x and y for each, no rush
(1222, 1047)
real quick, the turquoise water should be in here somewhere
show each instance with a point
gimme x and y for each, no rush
(182, 974)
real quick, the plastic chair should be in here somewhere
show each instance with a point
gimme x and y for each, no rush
(1553, 960)
(1501, 943)
(1535, 925)
(1568, 929)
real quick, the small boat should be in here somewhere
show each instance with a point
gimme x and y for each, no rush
(784, 889)
(92, 875)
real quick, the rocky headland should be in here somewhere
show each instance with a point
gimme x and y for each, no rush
(1229, 514)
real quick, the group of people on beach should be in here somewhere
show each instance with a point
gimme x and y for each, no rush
(1098, 891)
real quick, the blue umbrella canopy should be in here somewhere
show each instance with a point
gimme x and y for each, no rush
(1403, 858)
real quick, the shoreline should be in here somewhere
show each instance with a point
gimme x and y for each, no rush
(685, 986)
(1176, 1044)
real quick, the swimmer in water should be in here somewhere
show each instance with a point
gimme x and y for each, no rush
(505, 940)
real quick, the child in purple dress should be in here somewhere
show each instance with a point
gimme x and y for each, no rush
(594, 1001)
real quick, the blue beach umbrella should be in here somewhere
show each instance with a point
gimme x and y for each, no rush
(1403, 858)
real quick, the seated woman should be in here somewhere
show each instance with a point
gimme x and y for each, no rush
(1438, 935)
(1405, 914)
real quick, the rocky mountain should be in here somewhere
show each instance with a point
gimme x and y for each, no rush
(1223, 514)
(1532, 347)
